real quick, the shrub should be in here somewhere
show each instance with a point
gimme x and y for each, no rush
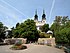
(44, 35)
(15, 47)
(18, 45)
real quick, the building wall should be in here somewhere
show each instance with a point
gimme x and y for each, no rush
(39, 23)
(47, 41)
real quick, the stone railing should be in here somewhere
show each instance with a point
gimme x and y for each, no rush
(47, 41)
(13, 40)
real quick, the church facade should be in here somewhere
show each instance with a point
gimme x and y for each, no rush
(40, 23)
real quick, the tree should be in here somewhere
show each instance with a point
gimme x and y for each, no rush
(61, 29)
(59, 23)
(26, 30)
(2, 31)
(30, 30)
(67, 24)
(53, 27)
(16, 31)
(17, 25)
(61, 36)
(68, 34)
(56, 26)
(45, 28)
(58, 19)
(64, 19)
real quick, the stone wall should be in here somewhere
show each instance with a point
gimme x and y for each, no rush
(47, 41)
(13, 40)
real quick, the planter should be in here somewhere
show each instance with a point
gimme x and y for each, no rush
(20, 47)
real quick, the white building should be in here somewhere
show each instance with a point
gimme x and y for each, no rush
(40, 23)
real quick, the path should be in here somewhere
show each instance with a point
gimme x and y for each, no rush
(31, 49)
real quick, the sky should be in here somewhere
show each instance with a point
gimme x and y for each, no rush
(14, 11)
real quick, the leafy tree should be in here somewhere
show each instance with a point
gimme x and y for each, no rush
(68, 34)
(9, 35)
(26, 30)
(30, 30)
(56, 26)
(64, 20)
(45, 28)
(61, 29)
(53, 27)
(61, 36)
(2, 31)
(58, 19)
(44, 35)
(17, 25)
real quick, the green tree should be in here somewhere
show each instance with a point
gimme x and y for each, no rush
(61, 36)
(68, 34)
(64, 19)
(58, 19)
(26, 30)
(45, 28)
(56, 26)
(17, 25)
(61, 29)
(30, 30)
(2, 31)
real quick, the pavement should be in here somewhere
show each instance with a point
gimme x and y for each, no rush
(31, 48)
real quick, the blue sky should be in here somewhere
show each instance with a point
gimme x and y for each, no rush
(13, 11)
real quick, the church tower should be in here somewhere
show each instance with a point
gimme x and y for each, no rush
(36, 16)
(39, 23)
(44, 17)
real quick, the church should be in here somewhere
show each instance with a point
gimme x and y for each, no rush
(39, 23)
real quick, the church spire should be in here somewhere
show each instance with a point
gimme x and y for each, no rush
(43, 11)
(36, 16)
(36, 12)
(43, 16)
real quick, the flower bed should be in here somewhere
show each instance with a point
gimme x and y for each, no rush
(15, 47)
(18, 46)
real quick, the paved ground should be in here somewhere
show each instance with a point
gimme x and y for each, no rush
(31, 49)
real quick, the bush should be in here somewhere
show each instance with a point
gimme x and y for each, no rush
(18, 45)
(15, 47)
(44, 35)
